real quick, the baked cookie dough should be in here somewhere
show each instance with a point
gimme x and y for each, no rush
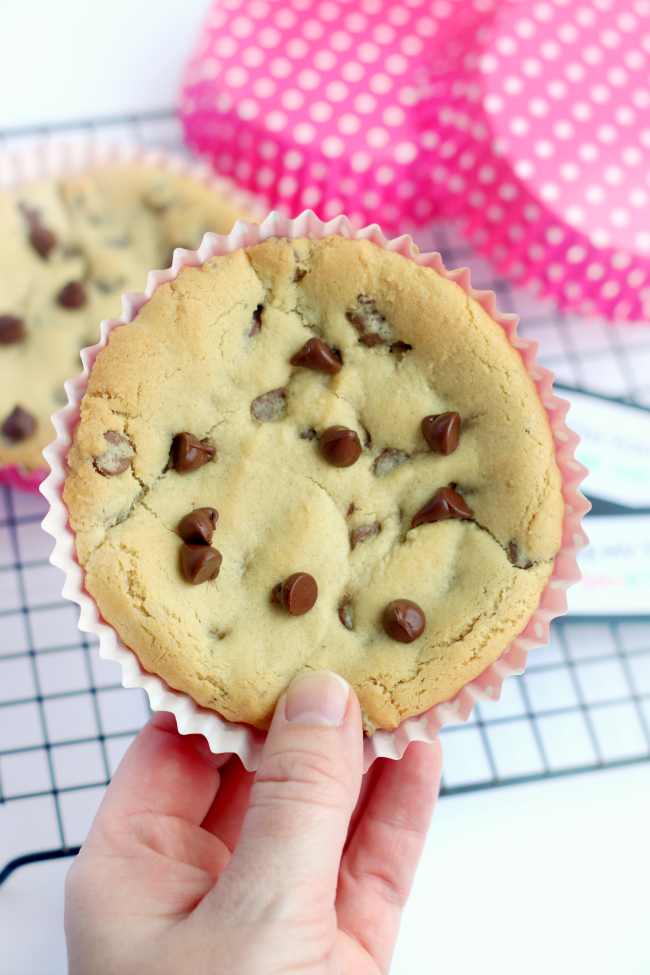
(210, 357)
(69, 248)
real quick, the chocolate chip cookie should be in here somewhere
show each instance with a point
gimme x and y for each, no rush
(320, 455)
(69, 248)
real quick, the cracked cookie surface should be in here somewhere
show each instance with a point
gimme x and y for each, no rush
(69, 249)
(194, 361)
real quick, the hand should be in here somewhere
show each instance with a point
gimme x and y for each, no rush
(195, 866)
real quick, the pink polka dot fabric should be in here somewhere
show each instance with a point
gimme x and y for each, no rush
(548, 151)
(312, 104)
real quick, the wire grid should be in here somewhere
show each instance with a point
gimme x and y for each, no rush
(65, 720)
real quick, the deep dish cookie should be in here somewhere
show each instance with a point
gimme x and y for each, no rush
(343, 453)
(69, 249)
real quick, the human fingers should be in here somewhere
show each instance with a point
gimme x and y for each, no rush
(165, 773)
(379, 864)
(367, 785)
(226, 814)
(301, 802)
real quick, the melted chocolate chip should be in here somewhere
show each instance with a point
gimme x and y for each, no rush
(200, 563)
(372, 339)
(361, 534)
(519, 561)
(356, 319)
(41, 239)
(19, 425)
(269, 406)
(198, 527)
(351, 509)
(308, 435)
(72, 296)
(346, 615)
(317, 356)
(188, 453)
(399, 349)
(298, 275)
(446, 503)
(340, 446)
(441, 431)
(257, 322)
(370, 323)
(403, 620)
(298, 593)
(12, 329)
(387, 461)
(117, 457)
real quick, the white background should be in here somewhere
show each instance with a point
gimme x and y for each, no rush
(550, 877)
(76, 59)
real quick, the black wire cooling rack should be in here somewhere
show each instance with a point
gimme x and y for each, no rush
(65, 720)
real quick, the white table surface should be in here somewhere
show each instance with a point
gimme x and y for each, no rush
(539, 878)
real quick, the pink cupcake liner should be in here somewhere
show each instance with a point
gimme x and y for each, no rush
(528, 120)
(53, 160)
(247, 742)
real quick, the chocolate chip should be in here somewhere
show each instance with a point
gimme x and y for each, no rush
(317, 356)
(189, 453)
(441, 431)
(198, 527)
(12, 329)
(351, 509)
(519, 561)
(308, 435)
(346, 615)
(117, 457)
(72, 296)
(361, 534)
(19, 425)
(372, 339)
(403, 620)
(41, 239)
(257, 322)
(200, 563)
(370, 323)
(340, 446)
(298, 593)
(299, 274)
(446, 503)
(387, 461)
(399, 349)
(269, 406)
(357, 320)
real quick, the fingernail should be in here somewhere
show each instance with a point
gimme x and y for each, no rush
(316, 697)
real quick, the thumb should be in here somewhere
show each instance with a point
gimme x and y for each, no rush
(302, 799)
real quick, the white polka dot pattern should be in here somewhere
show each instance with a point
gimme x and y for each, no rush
(338, 81)
(565, 87)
